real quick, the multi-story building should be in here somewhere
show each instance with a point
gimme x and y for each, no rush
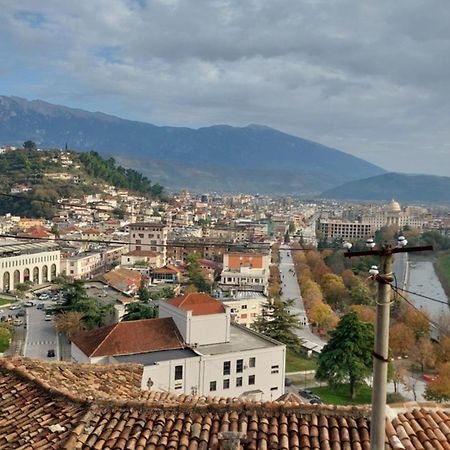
(82, 266)
(38, 262)
(193, 348)
(337, 229)
(245, 272)
(245, 306)
(149, 236)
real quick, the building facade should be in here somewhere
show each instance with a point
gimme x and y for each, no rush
(36, 262)
(149, 236)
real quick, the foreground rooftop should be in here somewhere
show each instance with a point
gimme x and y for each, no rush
(76, 406)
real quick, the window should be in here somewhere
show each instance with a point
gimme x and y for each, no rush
(226, 367)
(252, 362)
(244, 307)
(238, 381)
(239, 365)
(251, 379)
(274, 369)
(226, 384)
(212, 386)
(178, 372)
(274, 389)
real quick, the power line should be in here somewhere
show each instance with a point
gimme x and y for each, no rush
(423, 296)
(432, 322)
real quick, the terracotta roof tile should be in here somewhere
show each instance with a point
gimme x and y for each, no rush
(125, 338)
(34, 415)
(199, 304)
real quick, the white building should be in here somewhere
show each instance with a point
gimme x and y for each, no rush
(245, 271)
(193, 348)
(21, 261)
(245, 306)
(149, 236)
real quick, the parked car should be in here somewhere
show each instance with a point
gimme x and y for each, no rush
(14, 307)
(287, 382)
(17, 322)
(29, 303)
(44, 296)
(305, 393)
(316, 401)
(40, 306)
(48, 317)
(51, 353)
(20, 312)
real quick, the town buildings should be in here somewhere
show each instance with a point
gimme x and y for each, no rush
(193, 348)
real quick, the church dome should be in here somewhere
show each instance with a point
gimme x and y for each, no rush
(394, 206)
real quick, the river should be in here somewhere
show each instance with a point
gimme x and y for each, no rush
(423, 280)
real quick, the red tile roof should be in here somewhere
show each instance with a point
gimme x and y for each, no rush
(54, 414)
(126, 338)
(199, 304)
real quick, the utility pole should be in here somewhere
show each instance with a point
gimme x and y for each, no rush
(381, 349)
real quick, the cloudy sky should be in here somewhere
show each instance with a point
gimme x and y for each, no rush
(370, 77)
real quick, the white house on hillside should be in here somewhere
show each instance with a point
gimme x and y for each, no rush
(193, 348)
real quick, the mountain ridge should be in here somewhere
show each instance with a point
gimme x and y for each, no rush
(254, 150)
(401, 186)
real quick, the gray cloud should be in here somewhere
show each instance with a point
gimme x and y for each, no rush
(371, 78)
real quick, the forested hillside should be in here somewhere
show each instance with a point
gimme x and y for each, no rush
(50, 175)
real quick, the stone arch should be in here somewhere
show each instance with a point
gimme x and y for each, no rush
(6, 281)
(16, 278)
(36, 275)
(26, 275)
(53, 272)
(44, 273)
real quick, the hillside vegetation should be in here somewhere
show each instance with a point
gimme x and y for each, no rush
(36, 170)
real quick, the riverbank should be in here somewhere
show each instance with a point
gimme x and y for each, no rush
(442, 269)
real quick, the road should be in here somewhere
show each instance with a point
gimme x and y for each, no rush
(400, 269)
(291, 290)
(41, 335)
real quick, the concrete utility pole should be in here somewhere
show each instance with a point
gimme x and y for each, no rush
(381, 350)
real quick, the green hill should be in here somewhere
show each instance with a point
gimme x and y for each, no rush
(51, 175)
(402, 187)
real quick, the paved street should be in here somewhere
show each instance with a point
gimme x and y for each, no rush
(41, 335)
(291, 290)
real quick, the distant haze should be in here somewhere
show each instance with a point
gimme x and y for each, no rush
(371, 78)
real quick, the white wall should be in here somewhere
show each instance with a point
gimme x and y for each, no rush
(199, 372)
(201, 329)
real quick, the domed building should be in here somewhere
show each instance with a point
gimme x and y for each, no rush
(393, 214)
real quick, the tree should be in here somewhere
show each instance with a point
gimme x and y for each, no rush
(166, 292)
(401, 339)
(398, 375)
(143, 293)
(323, 316)
(195, 275)
(5, 338)
(77, 299)
(423, 353)
(418, 321)
(438, 390)
(334, 290)
(29, 145)
(347, 357)
(70, 322)
(364, 313)
(139, 311)
(279, 323)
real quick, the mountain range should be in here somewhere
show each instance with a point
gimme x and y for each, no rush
(217, 158)
(402, 187)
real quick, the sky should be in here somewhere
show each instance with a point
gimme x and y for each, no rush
(369, 77)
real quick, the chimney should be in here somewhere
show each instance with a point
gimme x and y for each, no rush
(231, 440)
